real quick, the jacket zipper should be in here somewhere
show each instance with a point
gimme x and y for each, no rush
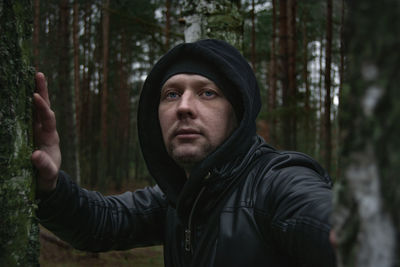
(188, 231)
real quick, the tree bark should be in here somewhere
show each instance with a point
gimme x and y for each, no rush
(167, 23)
(65, 101)
(292, 86)
(272, 82)
(103, 171)
(104, 87)
(327, 104)
(284, 73)
(36, 31)
(367, 214)
(305, 70)
(214, 19)
(75, 38)
(309, 137)
(19, 230)
(253, 36)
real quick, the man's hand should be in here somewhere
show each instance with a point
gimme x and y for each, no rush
(47, 159)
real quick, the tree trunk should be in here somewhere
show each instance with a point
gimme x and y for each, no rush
(65, 101)
(104, 96)
(214, 19)
(307, 109)
(253, 36)
(327, 104)
(19, 230)
(320, 135)
(367, 216)
(167, 23)
(104, 89)
(292, 87)
(75, 37)
(272, 82)
(36, 30)
(284, 73)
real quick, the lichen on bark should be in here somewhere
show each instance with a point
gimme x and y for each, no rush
(18, 228)
(213, 19)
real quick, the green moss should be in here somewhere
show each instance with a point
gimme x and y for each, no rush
(18, 228)
(226, 23)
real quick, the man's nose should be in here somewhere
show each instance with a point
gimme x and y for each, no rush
(186, 105)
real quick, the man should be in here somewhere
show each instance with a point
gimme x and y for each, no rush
(223, 196)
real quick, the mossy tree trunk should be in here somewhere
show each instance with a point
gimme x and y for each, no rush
(18, 228)
(367, 216)
(214, 19)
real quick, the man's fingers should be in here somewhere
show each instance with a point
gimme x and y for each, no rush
(44, 115)
(41, 87)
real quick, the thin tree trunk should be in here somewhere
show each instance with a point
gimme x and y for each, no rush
(19, 229)
(305, 71)
(75, 38)
(320, 101)
(272, 84)
(167, 23)
(65, 99)
(308, 136)
(341, 67)
(75, 32)
(327, 114)
(36, 31)
(104, 156)
(283, 71)
(292, 87)
(253, 36)
(123, 115)
(104, 88)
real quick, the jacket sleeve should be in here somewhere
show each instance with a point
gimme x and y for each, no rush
(293, 209)
(93, 222)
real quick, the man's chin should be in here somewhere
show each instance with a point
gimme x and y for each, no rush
(188, 155)
(187, 159)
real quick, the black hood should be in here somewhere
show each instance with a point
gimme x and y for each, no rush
(227, 63)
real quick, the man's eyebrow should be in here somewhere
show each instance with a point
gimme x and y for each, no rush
(197, 82)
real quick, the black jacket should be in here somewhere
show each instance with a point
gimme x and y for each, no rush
(246, 204)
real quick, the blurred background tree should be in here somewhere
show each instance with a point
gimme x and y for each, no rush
(367, 214)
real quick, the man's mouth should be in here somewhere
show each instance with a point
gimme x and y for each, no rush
(186, 133)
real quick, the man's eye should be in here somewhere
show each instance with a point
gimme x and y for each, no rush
(209, 93)
(171, 95)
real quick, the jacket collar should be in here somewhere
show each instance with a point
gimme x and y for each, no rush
(217, 181)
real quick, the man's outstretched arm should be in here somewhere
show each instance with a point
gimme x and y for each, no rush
(87, 219)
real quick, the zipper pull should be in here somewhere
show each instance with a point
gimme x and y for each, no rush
(187, 240)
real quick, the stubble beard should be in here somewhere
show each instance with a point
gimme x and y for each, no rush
(188, 159)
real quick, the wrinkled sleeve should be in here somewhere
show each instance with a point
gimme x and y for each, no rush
(293, 209)
(93, 222)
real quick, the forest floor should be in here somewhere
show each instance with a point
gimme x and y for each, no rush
(56, 253)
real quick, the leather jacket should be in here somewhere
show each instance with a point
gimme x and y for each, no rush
(271, 208)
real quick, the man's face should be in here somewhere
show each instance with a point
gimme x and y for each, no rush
(195, 118)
